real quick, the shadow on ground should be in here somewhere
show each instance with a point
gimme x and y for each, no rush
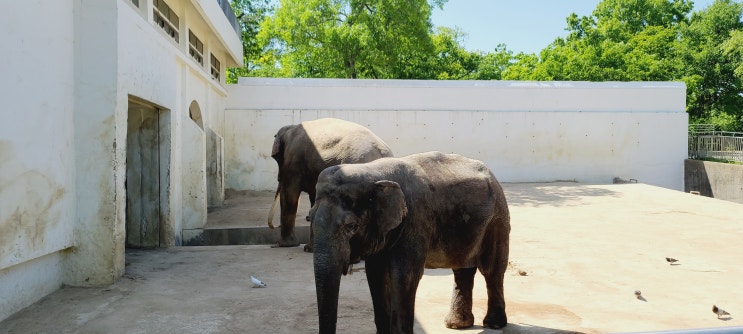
(552, 194)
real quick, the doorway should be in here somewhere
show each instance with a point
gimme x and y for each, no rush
(147, 161)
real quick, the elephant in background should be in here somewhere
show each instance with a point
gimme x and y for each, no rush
(303, 150)
(401, 215)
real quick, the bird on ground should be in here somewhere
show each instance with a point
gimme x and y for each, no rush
(638, 293)
(257, 283)
(671, 260)
(720, 312)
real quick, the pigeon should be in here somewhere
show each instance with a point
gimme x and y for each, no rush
(720, 312)
(639, 296)
(257, 283)
(671, 260)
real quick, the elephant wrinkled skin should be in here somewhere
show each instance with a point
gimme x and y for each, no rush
(303, 150)
(401, 215)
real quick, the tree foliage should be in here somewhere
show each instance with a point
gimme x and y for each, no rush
(622, 40)
(710, 49)
(250, 14)
(348, 38)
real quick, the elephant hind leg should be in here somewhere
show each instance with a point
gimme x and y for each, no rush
(460, 312)
(493, 268)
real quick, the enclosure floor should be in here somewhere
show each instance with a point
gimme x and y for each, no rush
(248, 208)
(584, 250)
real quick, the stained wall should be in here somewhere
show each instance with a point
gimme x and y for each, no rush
(524, 131)
(70, 70)
(37, 154)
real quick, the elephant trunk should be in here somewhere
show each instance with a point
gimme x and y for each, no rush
(273, 207)
(328, 270)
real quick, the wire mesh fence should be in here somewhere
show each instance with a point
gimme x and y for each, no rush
(705, 142)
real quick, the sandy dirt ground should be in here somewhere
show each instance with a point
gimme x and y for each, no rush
(584, 250)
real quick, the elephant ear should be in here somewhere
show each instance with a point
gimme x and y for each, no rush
(389, 206)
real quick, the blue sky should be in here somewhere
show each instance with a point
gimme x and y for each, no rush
(527, 26)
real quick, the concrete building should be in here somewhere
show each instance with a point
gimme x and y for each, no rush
(109, 107)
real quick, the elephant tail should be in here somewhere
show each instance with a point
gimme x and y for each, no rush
(273, 207)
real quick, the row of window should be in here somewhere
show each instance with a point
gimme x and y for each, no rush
(169, 22)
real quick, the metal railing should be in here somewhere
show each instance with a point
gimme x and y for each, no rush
(225, 4)
(705, 142)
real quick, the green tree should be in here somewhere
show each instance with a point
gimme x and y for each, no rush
(449, 59)
(250, 14)
(653, 40)
(710, 50)
(347, 38)
(622, 40)
(732, 48)
(493, 65)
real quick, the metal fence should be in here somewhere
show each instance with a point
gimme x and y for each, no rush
(705, 142)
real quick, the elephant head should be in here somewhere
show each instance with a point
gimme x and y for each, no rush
(349, 220)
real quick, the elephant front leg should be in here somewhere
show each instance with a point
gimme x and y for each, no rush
(289, 203)
(377, 275)
(404, 278)
(460, 312)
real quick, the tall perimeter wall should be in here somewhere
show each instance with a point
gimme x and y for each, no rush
(524, 131)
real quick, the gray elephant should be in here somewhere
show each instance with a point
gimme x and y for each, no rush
(401, 215)
(303, 150)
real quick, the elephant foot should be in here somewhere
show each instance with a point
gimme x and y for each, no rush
(459, 319)
(308, 248)
(495, 320)
(290, 242)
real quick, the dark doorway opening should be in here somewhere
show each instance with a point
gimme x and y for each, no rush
(147, 162)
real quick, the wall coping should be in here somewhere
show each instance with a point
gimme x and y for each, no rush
(456, 95)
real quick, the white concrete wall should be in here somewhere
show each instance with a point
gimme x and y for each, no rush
(37, 179)
(194, 178)
(69, 69)
(524, 131)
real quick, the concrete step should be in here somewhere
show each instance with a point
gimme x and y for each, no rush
(248, 236)
(242, 221)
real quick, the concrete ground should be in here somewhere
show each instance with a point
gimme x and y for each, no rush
(584, 250)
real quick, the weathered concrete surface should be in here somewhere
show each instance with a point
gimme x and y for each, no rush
(585, 250)
(714, 179)
(243, 220)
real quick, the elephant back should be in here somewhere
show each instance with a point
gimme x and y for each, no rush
(337, 141)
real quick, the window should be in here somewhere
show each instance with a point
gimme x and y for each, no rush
(216, 68)
(195, 48)
(136, 3)
(165, 18)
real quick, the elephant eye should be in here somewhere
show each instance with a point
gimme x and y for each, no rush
(350, 223)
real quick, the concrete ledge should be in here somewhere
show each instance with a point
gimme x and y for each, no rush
(246, 236)
(714, 179)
